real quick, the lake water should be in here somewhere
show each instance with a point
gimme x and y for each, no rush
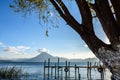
(35, 71)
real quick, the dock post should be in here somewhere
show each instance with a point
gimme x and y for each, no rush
(78, 72)
(55, 70)
(66, 70)
(88, 70)
(69, 69)
(61, 73)
(101, 71)
(51, 72)
(75, 72)
(58, 68)
(48, 68)
(79, 77)
(44, 68)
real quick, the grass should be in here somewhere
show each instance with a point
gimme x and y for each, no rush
(10, 73)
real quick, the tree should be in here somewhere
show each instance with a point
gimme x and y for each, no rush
(106, 11)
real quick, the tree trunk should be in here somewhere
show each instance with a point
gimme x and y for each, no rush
(105, 52)
(111, 59)
(109, 54)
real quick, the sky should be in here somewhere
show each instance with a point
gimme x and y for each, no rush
(24, 37)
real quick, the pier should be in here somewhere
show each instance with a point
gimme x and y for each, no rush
(63, 72)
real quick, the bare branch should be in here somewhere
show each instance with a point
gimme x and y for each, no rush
(116, 6)
(70, 20)
(86, 15)
(109, 25)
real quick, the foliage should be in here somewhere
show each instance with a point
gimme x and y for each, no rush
(28, 5)
(43, 8)
(10, 73)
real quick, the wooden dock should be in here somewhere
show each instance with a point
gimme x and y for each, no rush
(56, 71)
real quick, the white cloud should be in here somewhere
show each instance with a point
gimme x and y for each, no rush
(16, 56)
(1, 44)
(10, 52)
(11, 49)
(42, 50)
(16, 50)
(23, 47)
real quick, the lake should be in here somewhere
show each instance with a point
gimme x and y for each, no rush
(35, 70)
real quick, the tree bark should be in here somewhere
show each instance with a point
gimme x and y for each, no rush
(111, 59)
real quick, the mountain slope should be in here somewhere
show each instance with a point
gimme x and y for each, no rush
(45, 56)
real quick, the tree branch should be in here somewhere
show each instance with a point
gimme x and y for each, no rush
(88, 35)
(67, 17)
(86, 15)
(105, 15)
(85, 30)
(116, 6)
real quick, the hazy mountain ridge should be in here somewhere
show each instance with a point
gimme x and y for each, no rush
(45, 56)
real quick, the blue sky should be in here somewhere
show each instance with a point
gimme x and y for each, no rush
(24, 37)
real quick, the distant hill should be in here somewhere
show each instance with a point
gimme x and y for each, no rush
(45, 56)
(5, 61)
(84, 60)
